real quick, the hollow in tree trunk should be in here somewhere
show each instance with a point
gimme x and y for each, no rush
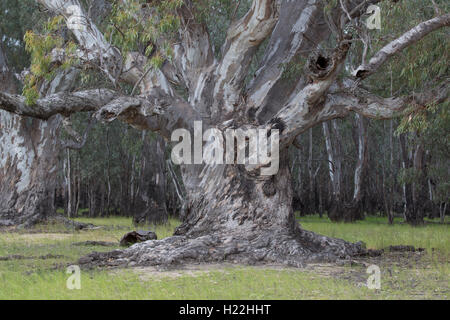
(233, 213)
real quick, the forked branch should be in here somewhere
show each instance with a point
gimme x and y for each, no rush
(407, 39)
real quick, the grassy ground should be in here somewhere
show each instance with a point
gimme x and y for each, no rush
(423, 275)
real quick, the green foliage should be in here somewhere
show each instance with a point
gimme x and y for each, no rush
(416, 120)
(425, 276)
(419, 66)
(108, 155)
(218, 16)
(416, 69)
(132, 27)
(40, 46)
(408, 175)
(16, 17)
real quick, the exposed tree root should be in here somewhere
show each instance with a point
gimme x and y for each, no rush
(266, 247)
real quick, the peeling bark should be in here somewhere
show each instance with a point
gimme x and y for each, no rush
(232, 213)
(29, 151)
(28, 163)
(407, 39)
(26, 198)
(232, 218)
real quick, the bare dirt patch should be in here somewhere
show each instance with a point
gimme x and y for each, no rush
(155, 273)
(151, 273)
(31, 237)
(193, 270)
(400, 270)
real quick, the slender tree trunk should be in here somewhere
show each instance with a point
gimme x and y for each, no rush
(312, 177)
(442, 209)
(78, 186)
(390, 198)
(336, 211)
(69, 186)
(355, 210)
(420, 184)
(412, 215)
(390, 201)
(177, 186)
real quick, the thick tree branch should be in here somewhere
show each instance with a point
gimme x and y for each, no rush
(153, 113)
(300, 29)
(304, 108)
(394, 47)
(194, 53)
(303, 22)
(59, 103)
(150, 113)
(91, 40)
(373, 106)
(243, 38)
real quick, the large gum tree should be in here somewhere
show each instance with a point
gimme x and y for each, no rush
(29, 149)
(232, 211)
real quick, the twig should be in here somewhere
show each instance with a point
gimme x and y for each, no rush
(140, 80)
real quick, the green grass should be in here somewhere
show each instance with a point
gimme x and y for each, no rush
(427, 277)
(377, 234)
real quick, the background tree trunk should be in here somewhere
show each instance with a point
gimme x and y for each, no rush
(235, 216)
(336, 211)
(412, 215)
(150, 205)
(355, 210)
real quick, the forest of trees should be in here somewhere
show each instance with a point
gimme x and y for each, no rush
(390, 160)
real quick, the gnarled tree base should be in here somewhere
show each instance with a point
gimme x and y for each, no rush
(272, 246)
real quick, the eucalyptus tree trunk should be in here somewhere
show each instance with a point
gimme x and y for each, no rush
(234, 212)
(337, 210)
(355, 210)
(29, 160)
(412, 214)
(313, 206)
(421, 194)
(340, 209)
(391, 188)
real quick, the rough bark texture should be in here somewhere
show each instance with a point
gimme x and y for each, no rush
(407, 39)
(29, 149)
(236, 217)
(232, 212)
(28, 169)
(28, 161)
